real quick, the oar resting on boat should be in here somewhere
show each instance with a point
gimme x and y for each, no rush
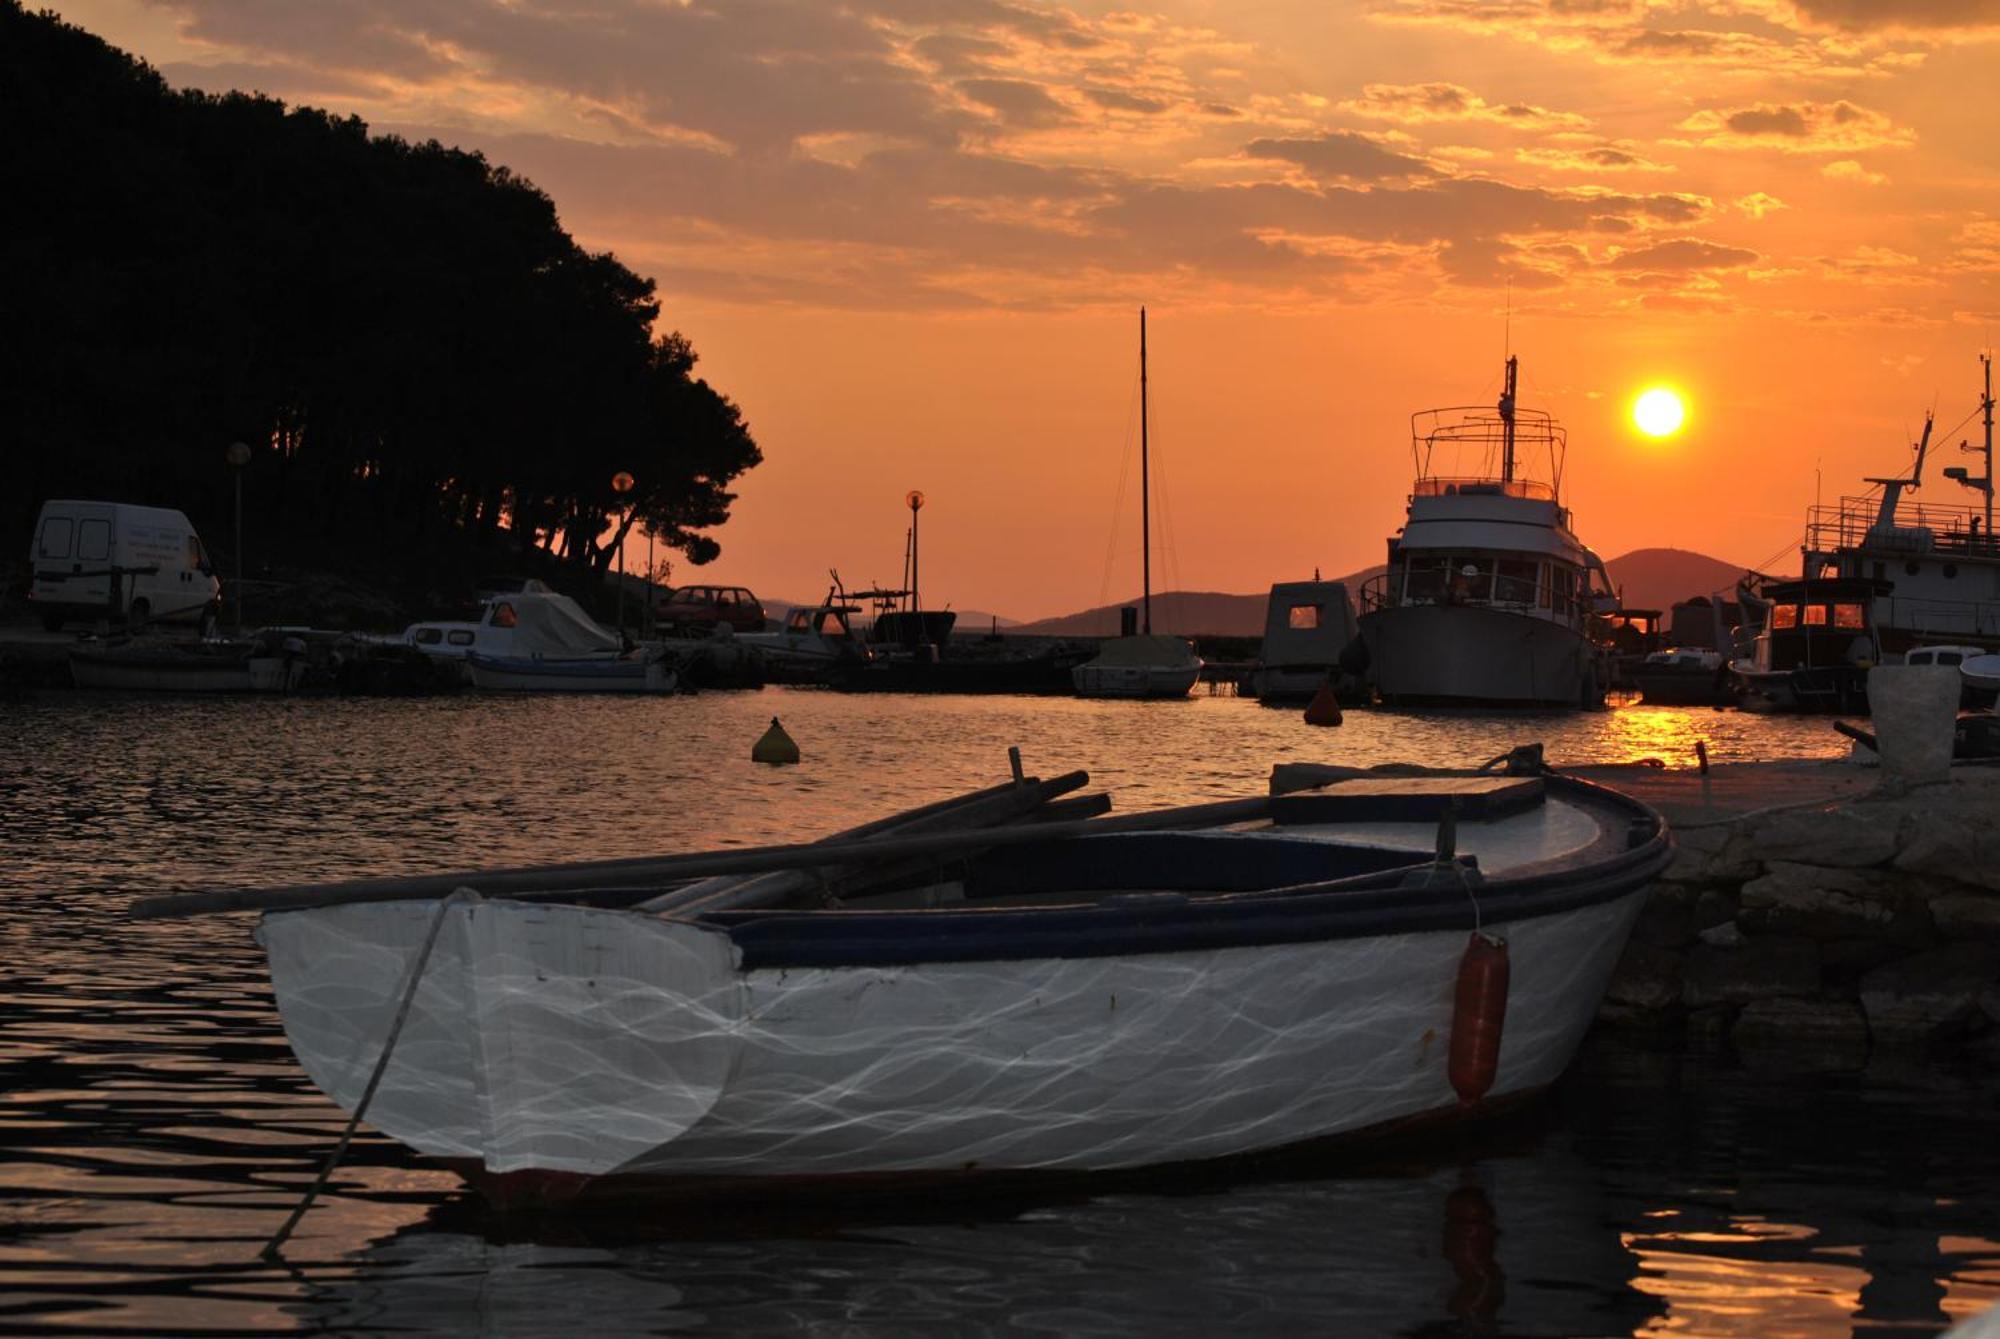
(654, 871)
(998, 805)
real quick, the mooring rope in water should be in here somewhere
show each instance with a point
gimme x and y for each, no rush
(458, 896)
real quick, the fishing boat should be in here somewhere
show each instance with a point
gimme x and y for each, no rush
(1139, 663)
(1881, 575)
(1489, 597)
(1349, 954)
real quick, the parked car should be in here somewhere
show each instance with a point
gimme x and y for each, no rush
(114, 560)
(702, 609)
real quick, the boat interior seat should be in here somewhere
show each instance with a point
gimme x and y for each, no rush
(1184, 862)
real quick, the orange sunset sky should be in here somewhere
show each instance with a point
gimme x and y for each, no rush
(910, 238)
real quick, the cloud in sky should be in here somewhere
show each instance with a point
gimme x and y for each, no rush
(1798, 127)
(1865, 16)
(1342, 155)
(1421, 104)
(960, 153)
(1599, 157)
(1849, 170)
(841, 199)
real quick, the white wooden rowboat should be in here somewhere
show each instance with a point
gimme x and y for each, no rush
(1077, 1004)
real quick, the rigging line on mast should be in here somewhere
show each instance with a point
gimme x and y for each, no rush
(1169, 545)
(1118, 502)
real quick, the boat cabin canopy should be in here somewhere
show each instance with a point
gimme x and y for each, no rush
(1146, 650)
(1307, 622)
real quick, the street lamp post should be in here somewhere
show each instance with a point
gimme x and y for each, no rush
(621, 484)
(916, 501)
(238, 456)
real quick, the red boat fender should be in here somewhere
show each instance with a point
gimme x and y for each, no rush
(1325, 707)
(1478, 1011)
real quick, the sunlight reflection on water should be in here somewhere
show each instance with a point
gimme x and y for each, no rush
(155, 1129)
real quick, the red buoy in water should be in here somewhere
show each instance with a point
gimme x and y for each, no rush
(1325, 707)
(1479, 1008)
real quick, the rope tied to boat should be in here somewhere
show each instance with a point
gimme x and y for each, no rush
(458, 897)
(1446, 864)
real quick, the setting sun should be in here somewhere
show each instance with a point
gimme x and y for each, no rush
(1658, 412)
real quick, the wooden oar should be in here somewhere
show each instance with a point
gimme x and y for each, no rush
(611, 873)
(1005, 803)
(632, 871)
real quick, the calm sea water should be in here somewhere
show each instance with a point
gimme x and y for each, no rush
(154, 1129)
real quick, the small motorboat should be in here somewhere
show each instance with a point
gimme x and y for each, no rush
(187, 667)
(1145, 665)
(1356, 953)
(1681, 676)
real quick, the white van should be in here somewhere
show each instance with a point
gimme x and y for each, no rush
(95, 560)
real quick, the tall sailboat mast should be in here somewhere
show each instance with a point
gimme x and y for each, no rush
(1146, 493)
(1507, 422)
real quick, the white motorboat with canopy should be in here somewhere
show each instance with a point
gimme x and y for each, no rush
(538, 640)
(1489, 595)
(926, 999)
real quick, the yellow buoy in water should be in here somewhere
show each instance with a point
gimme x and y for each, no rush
(775, 747)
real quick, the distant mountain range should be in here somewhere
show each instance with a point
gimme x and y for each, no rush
(1646, 578)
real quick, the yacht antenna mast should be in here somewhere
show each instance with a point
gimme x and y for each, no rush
(1986, 364)
(1145, 495)
(1507, 422)
(1957, 473)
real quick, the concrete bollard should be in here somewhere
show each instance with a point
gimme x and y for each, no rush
(1915, 709)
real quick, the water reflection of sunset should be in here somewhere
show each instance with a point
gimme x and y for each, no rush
(1634, 733)
(1758, 1277)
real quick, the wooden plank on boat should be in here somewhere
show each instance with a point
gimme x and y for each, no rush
(1411, 799)
(1287, 777)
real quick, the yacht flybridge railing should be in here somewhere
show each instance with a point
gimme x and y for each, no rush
(1502, 442)
(1476, 487)
(1913, 528)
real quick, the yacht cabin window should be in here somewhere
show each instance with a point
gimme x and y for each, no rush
(1849, 616)
(1516, 583)
(1784, 616)
(1302, 616)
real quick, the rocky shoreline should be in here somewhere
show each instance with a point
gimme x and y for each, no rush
(1850, 923)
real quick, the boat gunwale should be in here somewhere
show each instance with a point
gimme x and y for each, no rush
(1376, 903)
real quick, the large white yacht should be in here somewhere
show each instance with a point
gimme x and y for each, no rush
(1489, 596)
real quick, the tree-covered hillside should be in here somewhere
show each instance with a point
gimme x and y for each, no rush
(426, 366)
